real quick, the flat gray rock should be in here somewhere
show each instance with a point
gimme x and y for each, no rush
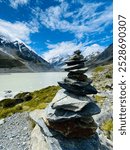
(77, 66)
(68, 101)
(58, 142)
(78, 83)
(38, 141)
(78, 89)
(63, 115)
(81, 70)
(74, 62)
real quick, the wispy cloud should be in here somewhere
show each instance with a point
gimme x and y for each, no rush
(16, 3)
(64, 49)
(17, 30)
(81, 22)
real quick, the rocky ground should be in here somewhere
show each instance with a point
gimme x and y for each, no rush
(15, 132)
(103, 81)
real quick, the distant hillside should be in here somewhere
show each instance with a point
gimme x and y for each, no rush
(16, 56)
(106, 57)
(7, 62)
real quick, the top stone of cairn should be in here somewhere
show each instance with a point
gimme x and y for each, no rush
(77, 58)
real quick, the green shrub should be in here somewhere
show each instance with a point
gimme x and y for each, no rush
(109, 76)
(6, 103)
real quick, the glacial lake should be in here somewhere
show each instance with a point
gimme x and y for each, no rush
(23, 82)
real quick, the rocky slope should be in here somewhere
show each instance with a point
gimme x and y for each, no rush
(16, 56)
(103, 81)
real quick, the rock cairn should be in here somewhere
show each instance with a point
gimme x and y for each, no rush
(76, 82)
(67, 122)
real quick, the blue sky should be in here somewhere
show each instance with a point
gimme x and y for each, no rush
(56, 27)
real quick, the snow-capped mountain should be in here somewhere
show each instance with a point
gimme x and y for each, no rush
(106, 57)
(16, 56)
(92, 58)
(59, 61)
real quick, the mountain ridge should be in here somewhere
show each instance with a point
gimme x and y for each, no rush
(16, 56)
(92, 60)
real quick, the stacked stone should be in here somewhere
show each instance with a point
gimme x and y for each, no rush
(77, 82)
(70, 113)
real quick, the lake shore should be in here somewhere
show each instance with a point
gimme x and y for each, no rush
(13, 83)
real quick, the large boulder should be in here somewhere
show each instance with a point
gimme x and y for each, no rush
(56, 141)
(76, 128)
(44, 138)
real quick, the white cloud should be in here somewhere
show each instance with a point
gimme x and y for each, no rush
(60, 50)
(17, 30)
(51, 18)
(80, 22)
(64, 49)
(16, 3)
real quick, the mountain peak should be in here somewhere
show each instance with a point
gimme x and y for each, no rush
(23, 54)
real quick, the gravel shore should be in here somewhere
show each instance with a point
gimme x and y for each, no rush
(15, 132)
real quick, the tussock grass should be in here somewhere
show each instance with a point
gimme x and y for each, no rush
(102, 76)
(99, 99)
(99, 69)
(107, 125)
(27, 101)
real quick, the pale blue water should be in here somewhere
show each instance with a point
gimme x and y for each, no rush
(23, 82)
(20, 82)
